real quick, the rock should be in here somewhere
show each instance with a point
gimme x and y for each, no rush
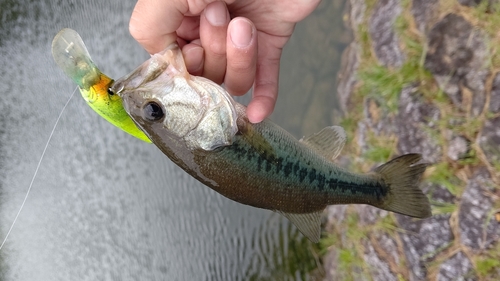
(381, 29)
(413, 116)
(346, 79)
(369, 215)
(425, 13)
(458, 267)
(422, 240)
(374, 120)
(458, 147)
(474, 3)
(495, 95)
(438, 193)
(331, 270)
(357, 13)
(379, 267)
(490, 140)
(335, 215)
(470, 2)
(478, 228)
(457, 56)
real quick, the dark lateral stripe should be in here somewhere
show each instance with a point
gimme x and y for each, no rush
(315, 179)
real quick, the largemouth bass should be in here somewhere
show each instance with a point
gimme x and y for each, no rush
(72, 56)
(197, 124)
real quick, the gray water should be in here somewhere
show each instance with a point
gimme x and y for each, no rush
(106, 206)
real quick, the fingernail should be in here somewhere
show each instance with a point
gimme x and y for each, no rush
(193, 58)
(216, 14)
(241, 32)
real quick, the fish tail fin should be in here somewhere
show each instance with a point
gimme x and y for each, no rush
(402, 177)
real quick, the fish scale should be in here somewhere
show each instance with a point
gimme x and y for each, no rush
(298, 174)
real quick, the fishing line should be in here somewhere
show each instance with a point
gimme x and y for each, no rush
(37, 168)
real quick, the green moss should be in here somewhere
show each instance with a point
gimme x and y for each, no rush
(351, 264)
(486, 266)
(385, 84)
(350, 124)
(401, 277)
(382, 84)
(468, 126)
(365, 42)
(440, 208)
(354, 232)
(388, 225)
(444, 175)
(346, 242)
(487, 16)
(378, 154)
(470, 159)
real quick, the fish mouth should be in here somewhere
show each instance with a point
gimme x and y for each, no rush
(150, 77)
(162, 66)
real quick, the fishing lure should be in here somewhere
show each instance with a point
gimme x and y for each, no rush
(72, 56)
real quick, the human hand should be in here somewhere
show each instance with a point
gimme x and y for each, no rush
(239, 52)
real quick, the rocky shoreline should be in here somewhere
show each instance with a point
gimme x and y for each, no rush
(422, 76)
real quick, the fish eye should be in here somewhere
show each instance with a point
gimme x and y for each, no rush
(110, 92)
(152, 111)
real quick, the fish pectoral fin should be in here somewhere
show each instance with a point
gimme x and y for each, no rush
(327, 142)
(309, 224)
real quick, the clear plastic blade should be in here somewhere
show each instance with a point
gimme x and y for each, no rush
(72, 56)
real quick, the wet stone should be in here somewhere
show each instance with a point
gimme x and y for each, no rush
(469, 2)
(495, 95)
(478, 228)
(357, 13)
(474, 3)
(438, 193)
(458, 267)
(381, 29)
(413, 117)
(335, 215)
(490, 140)
(376, 120)
(346, 80)
(423, 238)
(369, 215)
(458, 147)
(457, 56)
(379, 269)
(331, 260)
(425, 12)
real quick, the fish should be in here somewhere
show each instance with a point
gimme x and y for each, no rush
(72, 56)
(196, 123)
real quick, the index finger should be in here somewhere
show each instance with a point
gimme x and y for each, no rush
(153, 23)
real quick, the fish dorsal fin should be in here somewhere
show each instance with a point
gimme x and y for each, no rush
(327, 142)
(309, 224)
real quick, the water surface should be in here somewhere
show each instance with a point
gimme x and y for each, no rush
(106, 206)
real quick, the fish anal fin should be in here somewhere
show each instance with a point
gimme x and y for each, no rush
(308, 224)
(327, 142)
